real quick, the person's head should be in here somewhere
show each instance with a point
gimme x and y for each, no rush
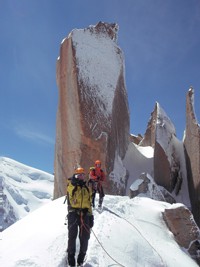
(79, 173)
(98, 164)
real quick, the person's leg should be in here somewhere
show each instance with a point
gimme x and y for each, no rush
(84, 236)
(72, 234)
(93, 198)
(101, 195)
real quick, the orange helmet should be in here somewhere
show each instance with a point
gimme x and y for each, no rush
(79, 170)
(98, 162)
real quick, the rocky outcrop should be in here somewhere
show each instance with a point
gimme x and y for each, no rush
(150, 134)
(90, 78)
(162, 168)
(186, 232)
(192, 152)
(160, 126)
(145, 186)
(136, 139)
(169, 161)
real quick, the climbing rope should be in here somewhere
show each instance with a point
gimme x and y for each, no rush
(105, 250)
(105, 208)
(87, 228)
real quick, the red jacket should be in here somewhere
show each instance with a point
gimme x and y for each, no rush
(97, 174)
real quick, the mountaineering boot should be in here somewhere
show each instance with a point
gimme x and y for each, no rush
(100, 202)
(80, 259)
(71, 260)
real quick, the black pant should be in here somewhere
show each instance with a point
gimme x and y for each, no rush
(77, 221)
(98, 188)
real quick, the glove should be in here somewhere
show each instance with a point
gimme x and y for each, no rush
(91, 221)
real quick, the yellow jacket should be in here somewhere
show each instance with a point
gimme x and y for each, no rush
(79, 196)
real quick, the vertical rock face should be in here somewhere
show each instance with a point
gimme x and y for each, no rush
(166, 164)
(192, 151)
(90, 78)
(169, 161)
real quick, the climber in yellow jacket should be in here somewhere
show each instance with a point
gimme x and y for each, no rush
(79, 199)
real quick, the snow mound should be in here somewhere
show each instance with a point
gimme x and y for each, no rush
(128, 232)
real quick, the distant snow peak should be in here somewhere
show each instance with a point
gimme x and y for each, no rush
(22, 190)
(99, 63)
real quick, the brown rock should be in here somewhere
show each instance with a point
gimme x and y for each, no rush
(90, 78)
(136, 139)
(150, 134)
(140, 186)
(192, 151)
(161, 135)
(146, 186)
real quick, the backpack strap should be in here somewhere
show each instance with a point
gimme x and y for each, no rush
(87, 188)
(74, 190)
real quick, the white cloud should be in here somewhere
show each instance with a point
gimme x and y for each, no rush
(36, 136)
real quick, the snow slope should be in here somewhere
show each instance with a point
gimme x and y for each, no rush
(22, 190)
(128, 232)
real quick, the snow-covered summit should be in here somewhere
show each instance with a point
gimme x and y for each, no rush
(22, 190)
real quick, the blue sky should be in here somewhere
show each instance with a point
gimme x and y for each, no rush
(161, 44)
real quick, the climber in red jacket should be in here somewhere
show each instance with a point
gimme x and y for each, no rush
(96, 177)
